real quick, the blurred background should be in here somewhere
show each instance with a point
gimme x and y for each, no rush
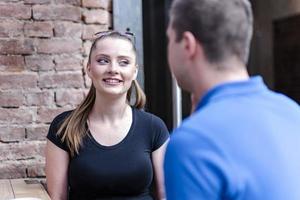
(44, 46)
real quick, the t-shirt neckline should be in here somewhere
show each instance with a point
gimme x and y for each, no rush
(128, 135)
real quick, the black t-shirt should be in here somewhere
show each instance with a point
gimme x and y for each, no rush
(122, 171)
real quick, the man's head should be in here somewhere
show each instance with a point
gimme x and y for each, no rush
(223, 27)
(214, 34)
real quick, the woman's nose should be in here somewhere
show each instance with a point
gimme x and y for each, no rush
(113, 68)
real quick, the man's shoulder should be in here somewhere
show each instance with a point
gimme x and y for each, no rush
(198, 120)
(190, 128)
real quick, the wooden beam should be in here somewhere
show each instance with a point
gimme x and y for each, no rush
(31, 188)
(5, 190)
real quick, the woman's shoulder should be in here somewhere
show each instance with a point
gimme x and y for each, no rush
(148, 117)
(54, 128)
(61, 117)
(145, 114)
(153, 126)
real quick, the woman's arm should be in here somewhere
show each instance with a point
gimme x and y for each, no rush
(158, 159)
(57, 161)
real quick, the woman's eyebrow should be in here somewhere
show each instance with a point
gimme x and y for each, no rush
(123, 56)
(102, 55)
(118, 57)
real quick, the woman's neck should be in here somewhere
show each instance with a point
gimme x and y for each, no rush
(109, 109)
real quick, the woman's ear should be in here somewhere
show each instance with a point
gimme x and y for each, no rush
(136, 72)
(88, 69)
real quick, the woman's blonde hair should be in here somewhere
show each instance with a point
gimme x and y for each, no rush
(74, 128)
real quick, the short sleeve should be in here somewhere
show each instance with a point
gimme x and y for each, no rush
(160, 132)
(53, 129)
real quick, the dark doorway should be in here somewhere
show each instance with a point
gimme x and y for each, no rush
(158, 80)
(286, 56)
(157, 75)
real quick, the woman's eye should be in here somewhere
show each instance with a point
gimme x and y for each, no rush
(124, 62)
(102, 61)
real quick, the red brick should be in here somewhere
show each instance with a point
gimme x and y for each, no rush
(16, 115)
(104, 4)
(15, 10)
(72, 2)
(61, 80)
(11, 1)
(96, 16)
(40, 98)
(16, 46)
(22, 150)
(12, 63)
(37, 1)
(86, 49)
(86, 91)
(12, 169)
(36, 168)
(46, 115)
(69, 97)
(37, 132)
(68, 62)
(17, 81)
(11, 99)
(33, 168)
(10, 134)
(38, 29)
(85, 62)
(90, 30)
(39, 63)
(11, 28)
(58, 12)
(67, 29)
(87, 81)
(59, 46)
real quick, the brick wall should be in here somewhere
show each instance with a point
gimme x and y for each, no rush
(43, 51)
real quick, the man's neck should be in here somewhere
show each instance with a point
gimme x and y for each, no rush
(214, 75)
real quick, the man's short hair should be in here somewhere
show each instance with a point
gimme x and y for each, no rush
(223, 27)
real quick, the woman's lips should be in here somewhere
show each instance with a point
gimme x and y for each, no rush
(112, 81)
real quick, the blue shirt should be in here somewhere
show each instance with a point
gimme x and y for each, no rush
(242, 142)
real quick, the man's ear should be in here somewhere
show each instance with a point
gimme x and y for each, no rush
(189, 44)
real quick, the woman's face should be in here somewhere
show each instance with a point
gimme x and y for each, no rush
(112, 66)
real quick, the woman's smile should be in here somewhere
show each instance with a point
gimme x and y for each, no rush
(112, 81)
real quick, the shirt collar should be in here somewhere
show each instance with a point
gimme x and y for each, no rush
(251, 85)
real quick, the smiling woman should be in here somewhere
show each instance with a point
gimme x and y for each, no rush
(112, 66)
(107, 148)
